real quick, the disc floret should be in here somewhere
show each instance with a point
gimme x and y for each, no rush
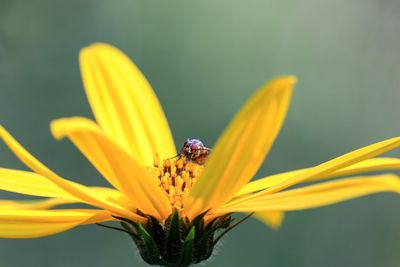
(177, 177)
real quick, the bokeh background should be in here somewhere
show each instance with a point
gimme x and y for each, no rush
(204, 58)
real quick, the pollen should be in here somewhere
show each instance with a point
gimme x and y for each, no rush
(177, 177)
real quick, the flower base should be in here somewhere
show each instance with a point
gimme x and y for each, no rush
(177, 242)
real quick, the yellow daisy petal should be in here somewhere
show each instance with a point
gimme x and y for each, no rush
(124, 103)
(81, 192)
(80, 131)
(369, 165)
(317, 195)
(242, 147)
(119, 167)
(39, 223)
(339, 163)
(41, 204)
(330, 166)
(30, 183)
(99, 217)
(273, 219)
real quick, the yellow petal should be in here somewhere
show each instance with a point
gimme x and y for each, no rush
(317, 195)
(369, 165)
(115, 164)
(41, 204)
(329, 167)
(81, 192)
(124, 103)
(242, 147)
(39, 223)
(44, 204)
(99, 217)
(273, 219)
(80, 131)
(30, 183)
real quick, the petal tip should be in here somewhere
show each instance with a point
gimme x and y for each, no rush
(3, 132)
(99, 47)
(86, 52)
(64, 126)
(55, 129)
(286, 80)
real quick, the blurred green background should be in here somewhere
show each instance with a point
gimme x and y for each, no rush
(204, 58)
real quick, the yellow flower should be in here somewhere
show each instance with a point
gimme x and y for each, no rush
(172, 206)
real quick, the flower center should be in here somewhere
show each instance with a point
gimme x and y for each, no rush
(177, 177)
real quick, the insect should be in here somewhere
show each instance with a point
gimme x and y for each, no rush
(195, 150)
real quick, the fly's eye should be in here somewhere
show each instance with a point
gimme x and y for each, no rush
(194, 147)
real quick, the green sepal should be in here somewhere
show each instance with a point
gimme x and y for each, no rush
(173, 244)
(156, 230)
(205, 245)
(129, 228)
(198, 224)
(146, 245)
(188, 248)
